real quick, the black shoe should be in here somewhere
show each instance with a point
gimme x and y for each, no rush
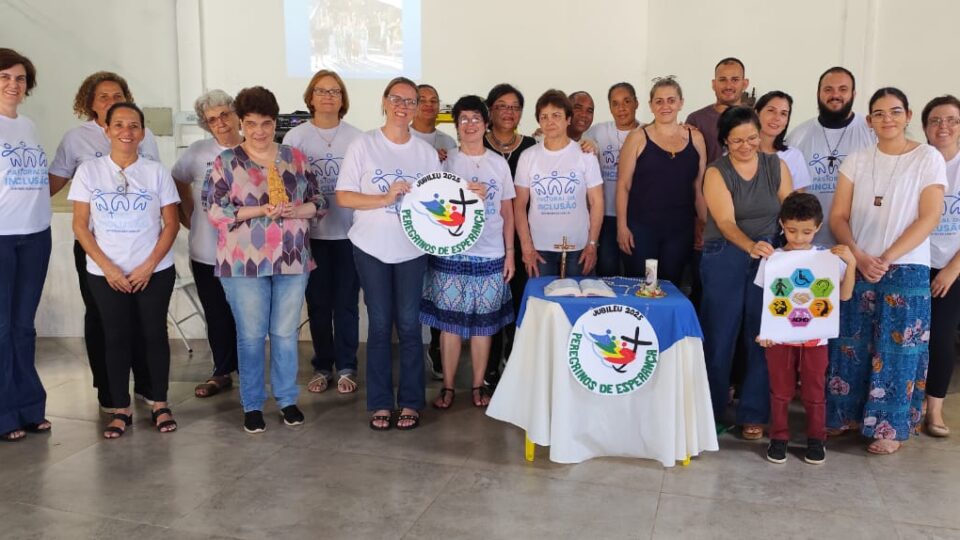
(816, 453)
(253, 422)
(291, 415)
(777, 451)
(434, 364)
(492, 377)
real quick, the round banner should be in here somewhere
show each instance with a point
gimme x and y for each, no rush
(440, 216)
(613, 350)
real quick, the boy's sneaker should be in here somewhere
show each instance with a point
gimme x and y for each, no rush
(434, 364)
(816, 453)
(777, 451)
(253, 422)
(291, 415)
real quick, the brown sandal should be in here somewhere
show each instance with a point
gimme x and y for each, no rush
(751, 432)
(481, 394)
(213, 386)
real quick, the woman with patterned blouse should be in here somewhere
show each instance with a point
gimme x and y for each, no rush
(261, 197)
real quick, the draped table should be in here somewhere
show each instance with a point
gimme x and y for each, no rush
(669, 419)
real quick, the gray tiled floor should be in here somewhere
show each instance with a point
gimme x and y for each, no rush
(461, 475)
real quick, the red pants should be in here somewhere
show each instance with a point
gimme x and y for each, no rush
(783, 362)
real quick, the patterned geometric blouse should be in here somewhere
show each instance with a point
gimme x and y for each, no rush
(260, 246)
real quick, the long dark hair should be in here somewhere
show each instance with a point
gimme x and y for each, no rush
(778, 143)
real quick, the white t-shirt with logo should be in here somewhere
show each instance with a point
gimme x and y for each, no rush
(609, 140)
(797, 165)
(558, 182)
(437, 139)
(761, 277)
(126, 222)
(899, 180)
(818, 144)
(25, 187)
(491, 170)
(945, 240)
(88, 141)
(371, 165)
(325, 149)
(193, 168)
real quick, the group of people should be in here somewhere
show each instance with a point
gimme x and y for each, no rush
(315, 218)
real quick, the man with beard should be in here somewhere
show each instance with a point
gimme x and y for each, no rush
(828, 139)
(729, 83)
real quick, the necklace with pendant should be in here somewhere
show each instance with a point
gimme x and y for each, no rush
(331, 139)
(832, 153)
(878, 199)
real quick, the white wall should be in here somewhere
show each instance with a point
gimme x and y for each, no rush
(172, 50)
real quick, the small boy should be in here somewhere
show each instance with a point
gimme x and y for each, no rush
(801, 217)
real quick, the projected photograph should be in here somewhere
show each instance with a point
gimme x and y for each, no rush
(357, 38)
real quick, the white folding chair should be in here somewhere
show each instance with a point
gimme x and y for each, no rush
(182, 285)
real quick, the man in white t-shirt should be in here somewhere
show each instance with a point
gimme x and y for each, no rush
(609, 136)
(424, 126)
(828, 139)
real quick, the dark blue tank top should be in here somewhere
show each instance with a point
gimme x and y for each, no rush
(662, 194)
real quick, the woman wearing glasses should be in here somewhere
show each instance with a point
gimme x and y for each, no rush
(215, 114)
(261, 197)
(564, 189)
(941, 122)
(466, 296)
(333, 290)
(378, 168)
(125, 217)
(889, 199)
(743, 190)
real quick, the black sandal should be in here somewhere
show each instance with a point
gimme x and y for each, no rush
(414, 425)
(166, 423)
(213, 386)
(440, 402)
(10, 437)
(380, 418)
(479, 393)
(127, 421)
(43, 427)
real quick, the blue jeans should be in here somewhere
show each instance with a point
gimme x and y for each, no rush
(23, 268)
(392, 294)
(552, 265)
(333, 296)
(730, 299)
(261, 306)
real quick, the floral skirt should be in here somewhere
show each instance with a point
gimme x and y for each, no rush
(466, 295)
(878, 365)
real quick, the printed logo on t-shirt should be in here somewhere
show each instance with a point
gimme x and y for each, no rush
(121, 212)
(824, 169)
(27, 166)
(383, 181)
(610, 157)
(493, 193)
(327, 170)
(950, 221)
(556, 193)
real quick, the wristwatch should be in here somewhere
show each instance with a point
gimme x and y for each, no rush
(592, 243)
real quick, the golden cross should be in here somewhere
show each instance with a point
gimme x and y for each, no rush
(563, 246)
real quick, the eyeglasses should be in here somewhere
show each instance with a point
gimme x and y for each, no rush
(222, 117)
(893, 114)
(398, 101)
(329, 92)
(948, 121)
(557, 116)
(464, 121)
(753, 139)
(500, 107)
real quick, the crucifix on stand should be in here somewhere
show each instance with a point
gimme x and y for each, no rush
(564, 247)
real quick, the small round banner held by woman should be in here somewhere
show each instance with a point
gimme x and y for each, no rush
(441, 216)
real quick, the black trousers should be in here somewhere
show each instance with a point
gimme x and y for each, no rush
(130, 318)
(221, 329)
(94, 341)
(944, 318)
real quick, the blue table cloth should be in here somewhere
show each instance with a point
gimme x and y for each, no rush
(672, 317)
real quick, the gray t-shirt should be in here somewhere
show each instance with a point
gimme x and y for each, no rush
(756, 204)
